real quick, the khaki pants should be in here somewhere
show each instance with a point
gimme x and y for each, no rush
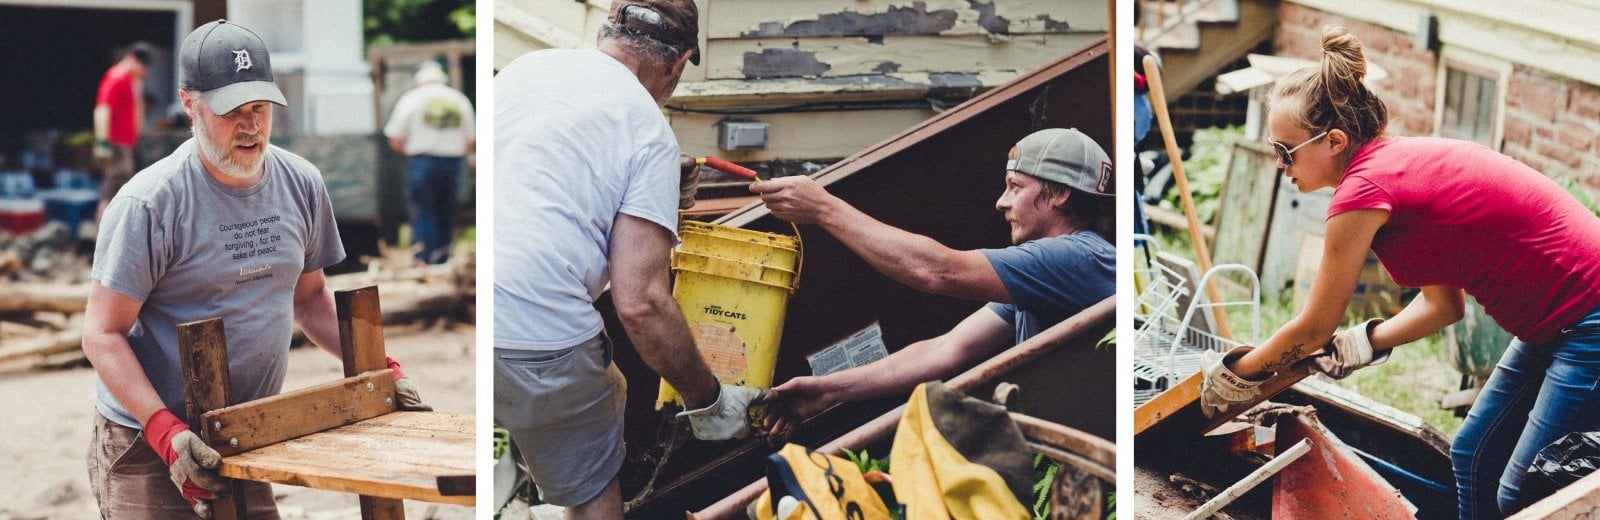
(130, 481)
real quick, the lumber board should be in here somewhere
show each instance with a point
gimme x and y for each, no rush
(1178, 409)
(271, 420)
(1580, 499)
(360, 330)
(400, 455)
(203, 356)
(46, 345)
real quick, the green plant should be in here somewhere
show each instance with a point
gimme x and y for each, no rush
(1206, 170)
(1044, 476)
(865, 462)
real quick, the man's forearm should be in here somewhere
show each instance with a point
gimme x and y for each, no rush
(908, 258)
(124, 377)
(657, 325)
(317, 317)
(898, 373)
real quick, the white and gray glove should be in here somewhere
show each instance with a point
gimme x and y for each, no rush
(1351, 349)
(410, 399)
(1219, 386)
(724, 418)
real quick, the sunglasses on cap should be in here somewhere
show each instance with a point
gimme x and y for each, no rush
(1286, 154)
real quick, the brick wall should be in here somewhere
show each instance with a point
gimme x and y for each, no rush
(1409, 89)
(1551, 123)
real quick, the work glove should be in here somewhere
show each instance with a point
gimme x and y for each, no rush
(190, 463)
(688, 181)
(405, 391)
(724, 418)
(1351, 349)
(1219, 386)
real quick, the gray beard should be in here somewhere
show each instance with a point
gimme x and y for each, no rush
(224, 161)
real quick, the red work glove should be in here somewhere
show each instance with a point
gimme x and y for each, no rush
(190, 463)
(405, 390)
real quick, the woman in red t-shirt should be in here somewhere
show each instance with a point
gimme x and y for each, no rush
(1447, 216)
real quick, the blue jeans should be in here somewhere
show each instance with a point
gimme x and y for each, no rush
(431, 202)
(1536, 394)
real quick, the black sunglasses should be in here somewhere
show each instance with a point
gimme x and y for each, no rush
(1286, 154)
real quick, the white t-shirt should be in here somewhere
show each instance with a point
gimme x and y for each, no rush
(577, 141)
(432, 119)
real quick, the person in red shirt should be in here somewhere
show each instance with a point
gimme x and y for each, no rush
(1446, 216)
(118, 110)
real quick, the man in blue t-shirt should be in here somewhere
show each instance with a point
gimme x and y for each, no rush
(1058, 199)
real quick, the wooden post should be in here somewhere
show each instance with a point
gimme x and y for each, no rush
(203, 352)
(361, 347)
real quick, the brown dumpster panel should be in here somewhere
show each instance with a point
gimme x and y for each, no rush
(940, 179)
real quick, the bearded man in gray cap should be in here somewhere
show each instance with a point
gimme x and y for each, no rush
(227, 226)
(1058, 198)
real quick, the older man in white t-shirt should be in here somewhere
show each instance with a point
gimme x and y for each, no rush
(586, 194)
(432, 124)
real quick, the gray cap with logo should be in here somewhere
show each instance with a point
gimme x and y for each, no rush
(228, 64)
(1066, 156)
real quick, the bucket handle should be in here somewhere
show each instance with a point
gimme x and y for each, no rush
(800, 257)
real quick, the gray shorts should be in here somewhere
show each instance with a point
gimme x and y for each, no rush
(564, 411)
(130, 481)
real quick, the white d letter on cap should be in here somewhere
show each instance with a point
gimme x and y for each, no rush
(241, 59)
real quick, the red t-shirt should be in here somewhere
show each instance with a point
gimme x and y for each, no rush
(116, 91)
(1465, 216)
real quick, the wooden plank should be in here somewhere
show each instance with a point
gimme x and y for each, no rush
(846, 56)
(399, 455)
(1581, 499)
(1177, 410)
(374, 508)
(360, 330)
(271, 420)
(361, 349)
(800, 135)
(203, 356)
(857, 17)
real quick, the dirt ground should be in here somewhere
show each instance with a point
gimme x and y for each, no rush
(46, 430)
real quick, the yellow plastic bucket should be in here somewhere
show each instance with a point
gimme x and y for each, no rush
(733, 286)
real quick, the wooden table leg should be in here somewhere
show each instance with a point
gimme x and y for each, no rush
(361, 346)
(203, 350)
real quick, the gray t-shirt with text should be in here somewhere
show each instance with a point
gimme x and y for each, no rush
(191, 248)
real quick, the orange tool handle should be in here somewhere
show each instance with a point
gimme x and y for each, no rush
(729, 167)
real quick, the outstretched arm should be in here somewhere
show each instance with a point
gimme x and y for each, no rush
(977, 336)
(1347, 239)
(914, 260)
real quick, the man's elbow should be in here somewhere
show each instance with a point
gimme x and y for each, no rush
(636, 309)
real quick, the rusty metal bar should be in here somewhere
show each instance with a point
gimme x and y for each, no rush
(987, 371)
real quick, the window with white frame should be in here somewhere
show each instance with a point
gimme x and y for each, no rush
(1471, 97)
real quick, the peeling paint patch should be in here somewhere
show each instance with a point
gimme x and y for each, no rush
(782, 63)
(954, 84)
(887, 67)
(876, 39)
(897, 20)
(1051, 25)
(988, 20)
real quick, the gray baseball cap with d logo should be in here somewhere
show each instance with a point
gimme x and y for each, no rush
(228, 65)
